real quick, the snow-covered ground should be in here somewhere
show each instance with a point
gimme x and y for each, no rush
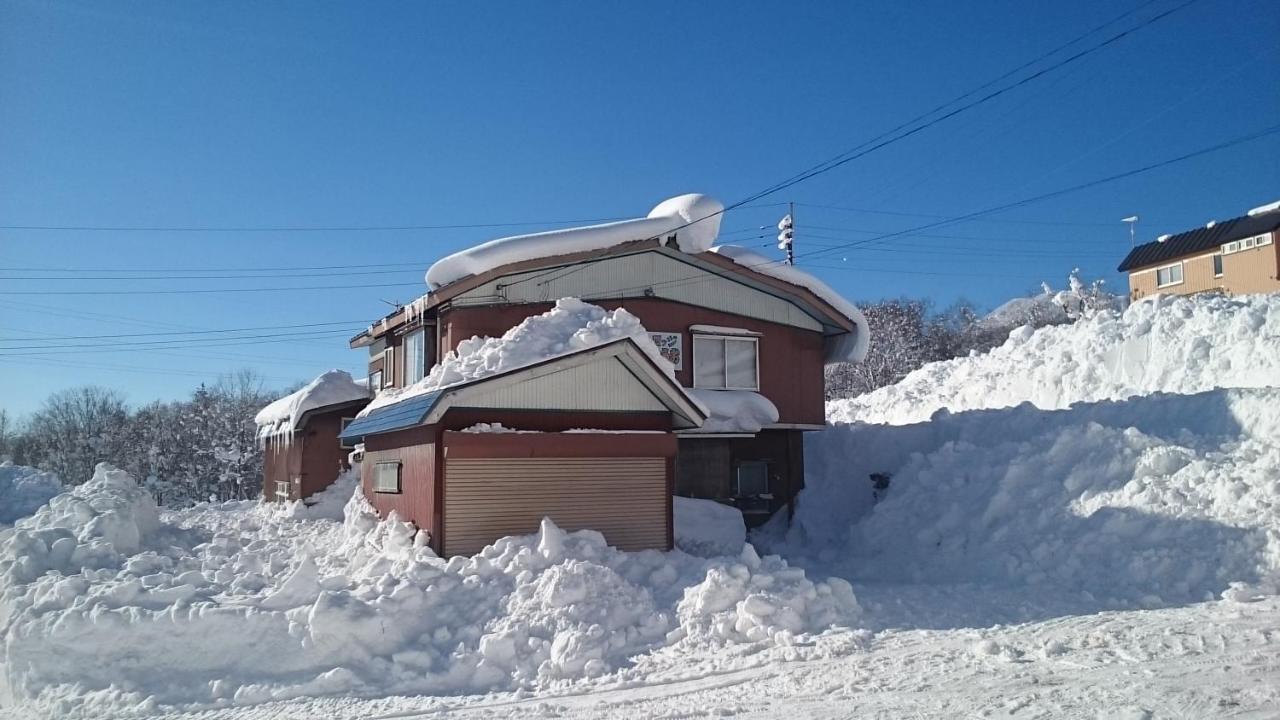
(1089, 529)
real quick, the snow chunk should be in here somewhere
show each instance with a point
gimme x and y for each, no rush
(735, 411)
(1264, 209)
(721, 330)
(708, 528)
(331, 388)
(23, 489)
(695, 220)
(570, 326)
(847, 347)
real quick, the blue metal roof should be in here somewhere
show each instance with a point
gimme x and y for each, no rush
(397, 416)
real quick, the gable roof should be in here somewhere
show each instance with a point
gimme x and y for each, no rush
(428, 407)
(1200, 239)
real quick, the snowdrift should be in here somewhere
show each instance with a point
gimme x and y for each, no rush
(1161, 344)
(109, 607)
(23, 489)
(1124, 474)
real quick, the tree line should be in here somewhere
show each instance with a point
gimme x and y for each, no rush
(203, 448)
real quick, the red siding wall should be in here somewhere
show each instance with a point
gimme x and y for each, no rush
(790, 358)
(415, 449)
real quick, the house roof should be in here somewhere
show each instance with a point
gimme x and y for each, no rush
(427, 407)
(1200, 239)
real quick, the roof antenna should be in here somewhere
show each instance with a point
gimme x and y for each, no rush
(1132, 220)
(392, 303)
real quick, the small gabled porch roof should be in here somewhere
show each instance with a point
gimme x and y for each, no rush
(613, 377)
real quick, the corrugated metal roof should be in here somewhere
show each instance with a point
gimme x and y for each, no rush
(397, 416)
(1199, 240)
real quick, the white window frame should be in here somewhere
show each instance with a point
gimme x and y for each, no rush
(1219, 267)
(1181, 275)
(698, 382)
(1262, 240)
(382, 483)
(282, 488)
(415, 368)
(1231, 247)
(388, 368)
(342, 425)
(375, 381)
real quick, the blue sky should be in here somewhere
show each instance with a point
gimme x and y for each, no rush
(240, 114)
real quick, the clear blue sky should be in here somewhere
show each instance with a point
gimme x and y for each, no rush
(252, 114)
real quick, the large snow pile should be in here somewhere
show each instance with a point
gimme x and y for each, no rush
(1164, 343)
(695, 220)
(331, 388)
(1123, 475)
(847, 347)
(23, 489)
(570, 325)
(108, 608)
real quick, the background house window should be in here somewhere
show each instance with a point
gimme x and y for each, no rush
(386, 477)
(388, 368)
(726, 363)
(282, 488)
(1171, 275)
(415, 357)
(343, 426)
(753, 479)
(1217, 265)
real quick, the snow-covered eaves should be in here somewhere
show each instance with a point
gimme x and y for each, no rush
(429, 407)
(850, 346)
(332, 388)
(734, 411)
(722, 330)
(693, 219)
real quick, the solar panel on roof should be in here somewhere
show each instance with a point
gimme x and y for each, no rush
(397, 416)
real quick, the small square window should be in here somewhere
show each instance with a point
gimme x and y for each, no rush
(282, 489)
(753, 479)
(386, 477)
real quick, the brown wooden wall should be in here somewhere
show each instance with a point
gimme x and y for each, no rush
(1256, 270)
(323, 456)
(791, 365)
(282, 460)
(415, 449)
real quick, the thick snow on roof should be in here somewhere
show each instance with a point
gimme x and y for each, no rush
(1264, 209)
(331, 388)
(849, 347)
(735, 411)
(694, 218)
(570, 326)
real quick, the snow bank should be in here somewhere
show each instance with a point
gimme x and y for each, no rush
(695, 219)
(1155, 499)
(570, 326)
(735, 411)
(849, 347)
(708, 528)
(108, 610)
(23, 489)
(1165, 343)
(331, 388)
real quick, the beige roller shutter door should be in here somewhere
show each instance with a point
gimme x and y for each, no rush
(488, 498)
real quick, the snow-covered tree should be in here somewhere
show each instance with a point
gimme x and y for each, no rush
(76, 429)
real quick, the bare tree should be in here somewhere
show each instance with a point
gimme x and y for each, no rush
(76, 429)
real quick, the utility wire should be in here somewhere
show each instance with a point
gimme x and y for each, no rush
(196, 291)
(185, 332)
(295, 228)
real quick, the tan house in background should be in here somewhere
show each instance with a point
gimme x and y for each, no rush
(1237, 256)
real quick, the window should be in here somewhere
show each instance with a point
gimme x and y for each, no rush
(388, 368)
(415, 358)
(753, 479)
(375, 380)
(282, 488)
(1231, 247)
(1264, 239)
(341, 443)
(1169, 275)
(725, 363)
(1247, 243)
(1217, 265)
(386, 477)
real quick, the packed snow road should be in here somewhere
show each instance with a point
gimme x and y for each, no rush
(1218, 659)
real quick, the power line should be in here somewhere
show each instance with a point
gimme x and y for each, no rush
(196, 291)
(186, 332)
(945, 217)
(208, 277)
(296, 228)
(172, 344)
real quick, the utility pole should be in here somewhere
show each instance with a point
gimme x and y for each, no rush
(787, 233)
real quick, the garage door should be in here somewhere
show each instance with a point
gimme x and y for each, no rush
(488, 498)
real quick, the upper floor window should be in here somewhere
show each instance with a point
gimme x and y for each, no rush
(1169, 275)
(415, 356)
(726, 363)
(389, 368)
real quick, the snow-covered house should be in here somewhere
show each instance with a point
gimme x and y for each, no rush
(302, 454)
(710, 398)
(1239, 256)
